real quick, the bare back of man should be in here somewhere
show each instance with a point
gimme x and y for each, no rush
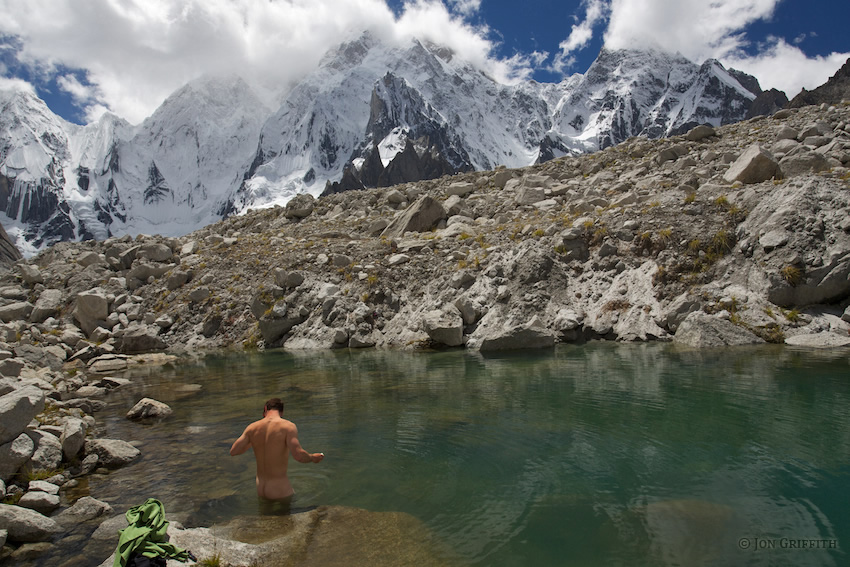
(273, 439)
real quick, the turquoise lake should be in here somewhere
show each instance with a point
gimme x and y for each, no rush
(599, 454)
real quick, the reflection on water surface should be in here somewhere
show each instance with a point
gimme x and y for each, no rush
(599, 454)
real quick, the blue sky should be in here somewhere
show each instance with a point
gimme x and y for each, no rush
(84, 57)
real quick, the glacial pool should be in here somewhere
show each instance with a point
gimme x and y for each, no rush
(599, 454)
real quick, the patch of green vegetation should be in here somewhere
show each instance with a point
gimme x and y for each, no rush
(793, 315)
(792, 274)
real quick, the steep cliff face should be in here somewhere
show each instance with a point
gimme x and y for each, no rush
(371, 115)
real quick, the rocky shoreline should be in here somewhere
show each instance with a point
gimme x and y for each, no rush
(726, 236)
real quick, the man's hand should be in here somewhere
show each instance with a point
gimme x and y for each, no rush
(317, 457)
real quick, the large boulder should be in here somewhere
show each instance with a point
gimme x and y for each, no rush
(140, 338)
(421, 216)
(73, 437)
(18, 311)
(24, 525)
(154, 252)
(514, 337)
(701, 330)
(47, 305)
(17, 409)
(51, 356)
(92, 309)
(41, 502)
(755, 165)
(48, 451)
(299, 207)
(112, 453)
(444, 327)
(14, 454)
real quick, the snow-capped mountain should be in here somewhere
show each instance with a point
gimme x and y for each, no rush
(371, 114)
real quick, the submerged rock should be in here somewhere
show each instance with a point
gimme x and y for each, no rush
(330, 536)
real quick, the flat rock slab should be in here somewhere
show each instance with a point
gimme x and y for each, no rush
(819, 340)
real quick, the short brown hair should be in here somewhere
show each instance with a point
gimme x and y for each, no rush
(274, 404)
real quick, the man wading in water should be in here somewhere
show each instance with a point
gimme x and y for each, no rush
(273, 440)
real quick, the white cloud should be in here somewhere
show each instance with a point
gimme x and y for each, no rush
(580, 34)
(137, 52)
(787, 68)
(12, 84)
(466, 7)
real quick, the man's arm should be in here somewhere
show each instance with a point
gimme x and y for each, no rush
(240, 445)
(297, 451)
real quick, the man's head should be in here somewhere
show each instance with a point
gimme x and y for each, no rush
(273, 404)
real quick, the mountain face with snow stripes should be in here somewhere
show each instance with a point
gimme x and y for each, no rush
(371, 114)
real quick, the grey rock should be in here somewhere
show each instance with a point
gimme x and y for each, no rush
(800, 164)
(702, 330)
(41, 502)
(139, 339)
(43, 486)
(108, 529)
(31, 275)
(148, 408)
(144, 271)
(83, 510)
(112, 453)
(52, 357)
(299, 207)
(341, 260)
(24, 525)
(14, 454)
(753, 166)
(819, 340)
(48, 451)
(11, 367)
(460, 189)
(471, 311)
(287, 279)
(444, 327)
(199, 294)
(274, 328)
(47, 305)
(700, 132)
(92, 309)
(532, 335)
(154, 252)
(73, 437)
(108, 363)
(398, 259)
(421, 216)
(18, 311)
(91, 258)
(773, 239)
(177, 279)
(17, 409)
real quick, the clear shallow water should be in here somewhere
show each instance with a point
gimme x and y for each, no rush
(601, 454)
